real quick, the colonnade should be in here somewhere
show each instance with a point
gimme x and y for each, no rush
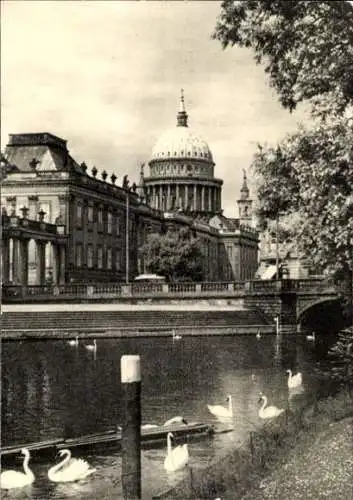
(195, 197)
(15, 261)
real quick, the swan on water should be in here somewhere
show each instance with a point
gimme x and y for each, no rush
(222, 411)
(69, 469)
(176, 458)
(176, 336)
(13, 479)
(175, 420)
(73, 342)
(92, 347)
(311, 337)
(294, 380)
(270, 411)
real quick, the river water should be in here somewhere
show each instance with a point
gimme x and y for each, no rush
(50, 389)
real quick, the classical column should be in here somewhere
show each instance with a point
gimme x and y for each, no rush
(5, 260)
(203, 198)
(40, 262)
(195, 198)
(154, 201)
(186, 196)
(55, 262)
(62, 266)
(15, 261)
(23, 261)
(209, 190)
(177, 200)
(161, 198)
(215, 199)
(169, 204)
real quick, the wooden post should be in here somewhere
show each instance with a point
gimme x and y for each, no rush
(131, 432)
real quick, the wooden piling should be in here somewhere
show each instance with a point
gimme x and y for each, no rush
(131, 428)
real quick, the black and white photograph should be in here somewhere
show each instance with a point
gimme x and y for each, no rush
(176, 250)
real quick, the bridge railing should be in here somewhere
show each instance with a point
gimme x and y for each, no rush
(117, 290)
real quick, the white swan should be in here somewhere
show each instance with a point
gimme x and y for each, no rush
(92, 347)
(73, 343)
(270, 411)
(176, 336)
(176, 458)
(175, 420)
(12, 479)
(294, 380)
(311, 337)
(74, 471)
(222, 411)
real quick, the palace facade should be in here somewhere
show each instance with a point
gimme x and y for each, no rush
(80, 226)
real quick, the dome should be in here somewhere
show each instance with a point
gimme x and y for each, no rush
(181, 142)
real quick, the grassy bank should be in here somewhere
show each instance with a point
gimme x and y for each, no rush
(302, 455)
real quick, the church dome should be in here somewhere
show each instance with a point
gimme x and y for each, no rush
(181, 142)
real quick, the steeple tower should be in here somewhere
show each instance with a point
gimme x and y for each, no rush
(244, 192)
(182, 116)
(245, 203)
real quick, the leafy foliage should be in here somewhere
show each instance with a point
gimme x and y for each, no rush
(341, 359)
(177, 255)
(306, 46)
(310, 175)
(307, 50)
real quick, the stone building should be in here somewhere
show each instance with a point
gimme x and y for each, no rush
(102, 225)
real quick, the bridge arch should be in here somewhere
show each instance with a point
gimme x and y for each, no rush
(320, 313)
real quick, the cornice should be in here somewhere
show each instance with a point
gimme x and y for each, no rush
(214, 182)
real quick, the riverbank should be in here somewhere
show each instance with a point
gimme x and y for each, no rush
(303, 455)
(119, 320)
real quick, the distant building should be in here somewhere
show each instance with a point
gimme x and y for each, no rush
(277, 249)
(102, 225)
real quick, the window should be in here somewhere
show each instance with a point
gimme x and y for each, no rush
(100, 257)
(118, 260)
(79, 259)
(230, 251)
(109, 258)
(90, 214)
(117, 225)
(109, 223)
(100, 219)
(79, 215)
(90, 256)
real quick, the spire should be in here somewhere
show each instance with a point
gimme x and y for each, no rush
(182, 117)
(244, 192)
(142, 175)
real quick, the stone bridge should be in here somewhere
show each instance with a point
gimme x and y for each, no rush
(289, 300)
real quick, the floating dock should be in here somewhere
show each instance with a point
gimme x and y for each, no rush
(150, 437)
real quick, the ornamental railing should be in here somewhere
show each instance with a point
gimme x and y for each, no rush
(12, 292)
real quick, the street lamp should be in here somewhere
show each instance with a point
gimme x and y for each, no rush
(127, 239)
(277, 324)
(277, 247)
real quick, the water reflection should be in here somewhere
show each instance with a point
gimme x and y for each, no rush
(51, 389)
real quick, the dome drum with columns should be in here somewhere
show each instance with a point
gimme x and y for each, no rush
(182, 172)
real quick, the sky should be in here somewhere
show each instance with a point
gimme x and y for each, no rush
(106, 76)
